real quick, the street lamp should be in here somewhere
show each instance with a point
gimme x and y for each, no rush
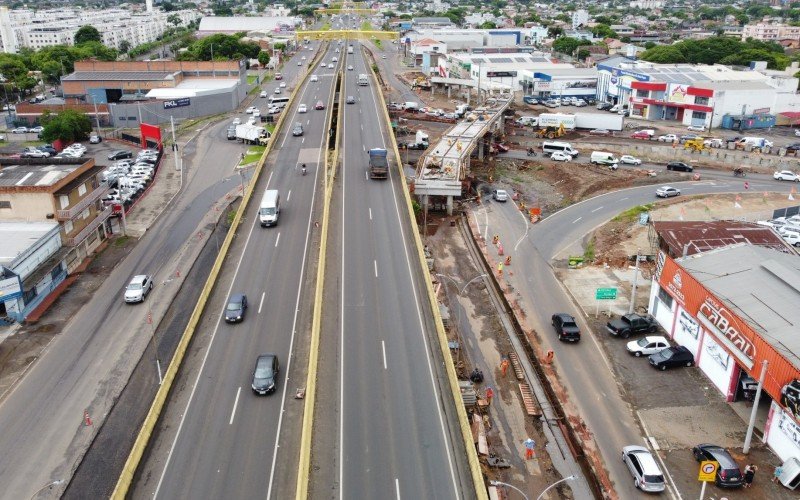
(47, 486)
(456, 283)
(501, 483)
(568, 478)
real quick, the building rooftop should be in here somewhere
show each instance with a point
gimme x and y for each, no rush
(17, 237)
(41, 174)
(734, 85)
(118, 75)
(701, 236)
(758, 284)
(194, 87)
(237, 24)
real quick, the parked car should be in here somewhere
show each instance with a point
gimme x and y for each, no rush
(600, 131)
(559, 156)
(138, 288)
(667, 191)
(500, 195)
(37, 129)
(350, 100)
(19, 130)
(629, 160)
(786, 175)
(672, 357)
(668, 138)
(566, 327)
(728, 473)
(696, 128)
(236, 307)
(679, 166)
(646, 346)
(713, 142)
(47, 148)
(604, 106)
(34, 153)
(319, 105)
(689, 137)
(265, 374)
(297, 131)
(647, 475)
(120, 154)
(643, 134)
(95, 139)
(631, 324)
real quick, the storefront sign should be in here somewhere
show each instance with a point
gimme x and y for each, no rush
(724, 326)
(176, 103)
(676, 93)
(501, 74)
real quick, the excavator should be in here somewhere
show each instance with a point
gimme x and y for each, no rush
(552, 132)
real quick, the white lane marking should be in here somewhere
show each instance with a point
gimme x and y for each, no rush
(419, 318)
(576, 220)
(375, 265)
(623, 199)
(397, 487)
(370, 213)
(596, 209)
(261, 302)
(269, 179)
(383, 348)
(289, 196)
(308, 122)
(277, 240)
(235, 403)
(362, 127)
(364, 148)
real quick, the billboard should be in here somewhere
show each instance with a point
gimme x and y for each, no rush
(176, 103)
(677, 93)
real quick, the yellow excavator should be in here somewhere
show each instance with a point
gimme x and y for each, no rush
(695, 145)
(552, 132)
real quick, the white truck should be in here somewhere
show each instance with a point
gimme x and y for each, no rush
(420, 141)
(545, 120)
(363, 80)
(587, 121)
(252, 134)
(350, 49)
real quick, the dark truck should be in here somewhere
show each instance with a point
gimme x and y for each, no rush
(631, 324)
(378, 164)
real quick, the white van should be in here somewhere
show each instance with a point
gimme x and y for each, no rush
(558, 147)
(278, 102)
(603, 158)
(411, 106)
(527, 120)
(270, 208)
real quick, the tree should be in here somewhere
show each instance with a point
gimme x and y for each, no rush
(68, 126)
(174, 19)
(567, 45)
(124, 46)
(603, 31)
(663, 54)
(583, 54)
(16, 73)
(87, 34)
(488, 25)
(555, 31)
(263, 58)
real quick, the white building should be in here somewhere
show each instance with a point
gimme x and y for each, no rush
(579, 18)
(499, 70)
(44, 28)
(770, 32)
(468, 39)
(647, 4)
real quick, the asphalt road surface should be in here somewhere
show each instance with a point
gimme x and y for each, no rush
(228, 442)
(584, 369)
(394, 435)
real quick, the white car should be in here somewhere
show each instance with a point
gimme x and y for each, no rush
(256, 113)
(303, 58)
(629, 160)
(349, 68)
(251, 120)
(335, 59)
(786, 175)
(237, 121)
(696, 128)
(299, 63)
(278, 90)
(273, 110)
(668, 138)
(559, 156)
(667, 191)
(302, 108)
(138, 288)
(314, 78)
(282, 85)
(330, 66)
(250, 110)
(646, 346)
(263, 93)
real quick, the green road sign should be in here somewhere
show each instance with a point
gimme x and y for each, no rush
(605, 294)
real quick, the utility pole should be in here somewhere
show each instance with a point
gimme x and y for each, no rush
(96, 118)
(635, 282)
(756, 398)
(175, 152)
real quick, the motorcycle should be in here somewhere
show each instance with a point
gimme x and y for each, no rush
(303, 169)
(531, 152)
(739, 172)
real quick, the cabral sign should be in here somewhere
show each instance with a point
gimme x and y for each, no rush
(176, 103)
(724, 326)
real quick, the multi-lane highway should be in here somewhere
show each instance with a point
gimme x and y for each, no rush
(229, 442)
(384, 402)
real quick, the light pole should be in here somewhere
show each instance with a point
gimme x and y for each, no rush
(47, 486)
(501, 483)
(458, 311)
(568, 478)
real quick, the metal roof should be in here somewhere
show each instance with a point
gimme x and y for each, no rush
(758, 284)
(17, 237)
(702, 236)
(43, 175)
(118, 75)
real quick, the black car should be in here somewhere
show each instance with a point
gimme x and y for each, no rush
(232, 132)
(679, 165)
(728, 474)
(793, 148)
(47, 148)
(566, 328)
(265, 374)
(298, 129)
(237, 305)
(605, 106)
(120, 154)
(671, 357)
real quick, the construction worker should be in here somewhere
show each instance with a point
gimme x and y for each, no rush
(489, 395)
(530, 448)
(504, 366)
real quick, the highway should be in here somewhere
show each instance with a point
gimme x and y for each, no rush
(230, 442)
(594, 394)
(384, 399)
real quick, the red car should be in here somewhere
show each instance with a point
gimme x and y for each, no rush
(643, 134)
(278, 76)
(319, 105)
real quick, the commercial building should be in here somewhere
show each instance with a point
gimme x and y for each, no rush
(737, 308)
(560, 82)
(459, 40)
(211, 25)
(770, 32)
(35, 29)
(500, 69)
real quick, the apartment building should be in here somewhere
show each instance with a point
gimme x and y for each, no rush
(770, 32)
(43, 28)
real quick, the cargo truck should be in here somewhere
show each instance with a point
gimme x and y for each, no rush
(420, 141)
(378, 164)
(350, 49)
(252, 134)
(363, 80)
(588, 121)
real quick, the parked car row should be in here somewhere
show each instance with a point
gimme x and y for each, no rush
(130, 177)
(554, 102)
(787, 227)
(26, 130)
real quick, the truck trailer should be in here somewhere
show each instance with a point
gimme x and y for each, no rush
(378, 164)
(252, 134)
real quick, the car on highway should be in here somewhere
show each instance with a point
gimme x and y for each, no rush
(273, 110)
(349, 67)
(19, 130)
(646, 346)
(256, 113)
(250, 110)
(138, 288)
(647, 475)
(786, 175)
(314, 78)
(120, 154)
(319, 105)
(672, 357)
(278, 76)
(335, 59)
(629, 160)
(566, 327)
(297, 131)
(263, 93)
(34, 153)
(728, 473)
(500, 195)
(644, 134)
(299, 63)
(667, 191)
(302, 108)
(679, 166)
(237, 121)
(265, 374)
(559, 156)
(350, 100)
(330, 65)
(713, 142)
(282, 85)
(251, 120)
(383, 56)
(668, 138)
(277, 90)
(236, 307)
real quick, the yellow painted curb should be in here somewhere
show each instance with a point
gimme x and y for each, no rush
(142, 440)
(304, 462)
(466, 431)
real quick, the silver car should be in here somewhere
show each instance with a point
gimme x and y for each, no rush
(647, 476)
(138, 288)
